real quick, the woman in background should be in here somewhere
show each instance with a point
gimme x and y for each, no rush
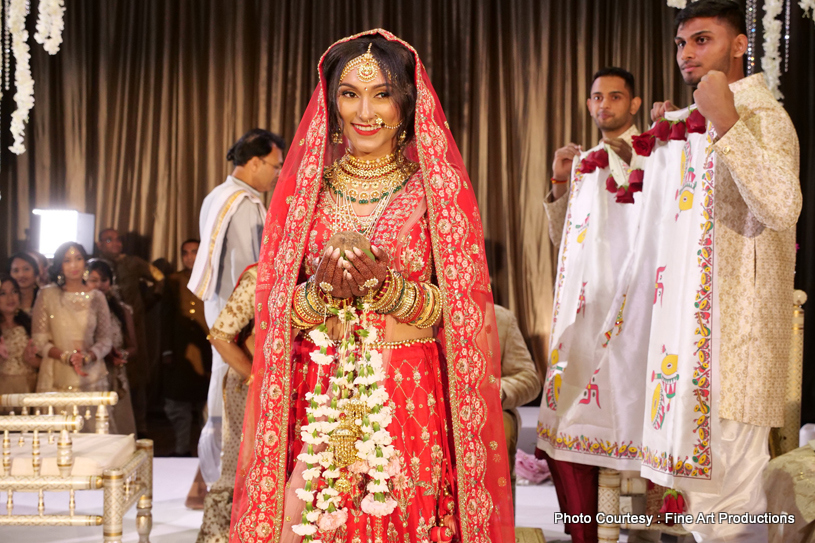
(233, 336)
(71, 329)
(123, 338)
(18, 356)
(25, 270)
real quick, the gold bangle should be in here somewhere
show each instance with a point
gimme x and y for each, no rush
(429, 304)
(396, 295)
(435, 295)
(407, 302)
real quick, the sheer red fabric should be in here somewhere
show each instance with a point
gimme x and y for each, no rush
(468, 336)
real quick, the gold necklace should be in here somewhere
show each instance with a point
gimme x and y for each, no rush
(379, 189)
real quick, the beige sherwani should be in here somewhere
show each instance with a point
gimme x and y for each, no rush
(758, 200)
(519, 380)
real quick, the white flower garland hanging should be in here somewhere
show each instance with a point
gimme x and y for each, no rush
(808, 6)
(771, 61)
(50, 25)
(24, 83)
(355, 410)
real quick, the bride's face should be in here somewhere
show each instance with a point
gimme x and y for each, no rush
(363, 107)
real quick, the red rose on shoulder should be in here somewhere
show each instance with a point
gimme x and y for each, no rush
(697, 124)
(624, 197)
(601, 158)
(611, 184)
(662, 130)
(643, 144)
(635, 181)
(678, 130)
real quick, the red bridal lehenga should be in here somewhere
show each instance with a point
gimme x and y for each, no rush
(447, 423)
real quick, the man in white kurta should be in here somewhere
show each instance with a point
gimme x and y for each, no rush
(587, 419)
(716, 263)
(231, 225)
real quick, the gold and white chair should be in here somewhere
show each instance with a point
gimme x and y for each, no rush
(617, 494)
(61, 459)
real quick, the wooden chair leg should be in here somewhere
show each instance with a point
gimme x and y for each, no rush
(608, 502)
(113, 485)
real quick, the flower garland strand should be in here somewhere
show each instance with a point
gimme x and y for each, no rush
(50, 25)
(24, 96)
(771, 61)
(624, 192)
(359, 405)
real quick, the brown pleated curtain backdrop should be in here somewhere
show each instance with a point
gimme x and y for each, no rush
(135, 114)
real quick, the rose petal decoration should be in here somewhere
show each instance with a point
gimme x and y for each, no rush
(601, 158)
(643, 144)
(678, 130)
(611, 184)
(587, 165)
(697, 124)
(635, 181)
(662, 130)
(624, 197)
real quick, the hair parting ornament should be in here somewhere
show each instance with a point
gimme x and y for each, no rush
(366, 65)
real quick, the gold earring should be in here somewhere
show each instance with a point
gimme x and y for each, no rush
(402, 137)
(336, 137)
(86, 275)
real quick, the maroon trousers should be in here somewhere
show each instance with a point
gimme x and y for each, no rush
(576, 487)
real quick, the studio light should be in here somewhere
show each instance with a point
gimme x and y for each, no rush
(53, 227)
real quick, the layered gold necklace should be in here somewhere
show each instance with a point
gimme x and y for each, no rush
(354, 180)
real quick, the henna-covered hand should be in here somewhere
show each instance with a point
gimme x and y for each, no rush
(329, 270)
(364, 274)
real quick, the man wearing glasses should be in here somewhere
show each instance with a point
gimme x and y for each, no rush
(231, 227)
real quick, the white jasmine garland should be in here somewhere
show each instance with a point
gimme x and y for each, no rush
(679, 4)
(24, 83)
(358, 375)
(771, 61)
(50, 25)
(808, 7)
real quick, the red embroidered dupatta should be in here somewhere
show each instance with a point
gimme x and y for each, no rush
(468, 333)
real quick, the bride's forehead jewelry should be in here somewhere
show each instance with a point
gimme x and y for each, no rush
(366, 66)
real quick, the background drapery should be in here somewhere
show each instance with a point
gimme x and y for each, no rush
(133, 117)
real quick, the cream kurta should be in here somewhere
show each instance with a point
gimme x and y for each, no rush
(758, 200)
(71, 321)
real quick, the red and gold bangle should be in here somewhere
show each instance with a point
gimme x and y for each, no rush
(303, 315)
(559, 181)
(407, 302)
(433, 308)
(419, 306)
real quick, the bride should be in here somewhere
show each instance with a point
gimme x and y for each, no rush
(374, 413)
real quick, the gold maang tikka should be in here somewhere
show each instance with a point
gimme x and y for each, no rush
(366, 66)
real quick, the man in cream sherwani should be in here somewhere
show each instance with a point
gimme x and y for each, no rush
(721, 314)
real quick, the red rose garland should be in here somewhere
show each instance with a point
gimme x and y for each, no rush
(644, 144)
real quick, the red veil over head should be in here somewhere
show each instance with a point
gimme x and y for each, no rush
(468, 334)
